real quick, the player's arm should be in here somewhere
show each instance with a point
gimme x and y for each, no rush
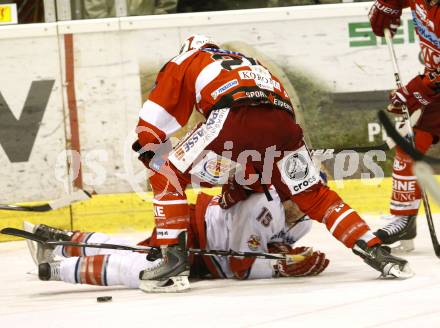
(421, 91)
(256, 235)
(313, 264)
(167, 109)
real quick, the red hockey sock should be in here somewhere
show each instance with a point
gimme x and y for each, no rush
(78, 237)
(406, 194)
(171, 210)
(92, 270)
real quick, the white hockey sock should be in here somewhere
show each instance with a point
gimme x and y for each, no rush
(107, 270)
(90, 237)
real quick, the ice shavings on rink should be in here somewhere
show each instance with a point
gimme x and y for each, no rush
(347, 294)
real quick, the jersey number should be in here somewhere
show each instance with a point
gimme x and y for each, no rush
(229, 63)
(265, 217)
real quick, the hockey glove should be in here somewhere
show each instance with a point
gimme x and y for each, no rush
(232, 193)
(385, 14)
(145, 156)
(414, 95)
(313, 264)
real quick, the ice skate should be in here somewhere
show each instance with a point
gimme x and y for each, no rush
(49, 271)
(402, 231)
(171, 272)
(43, 253)
(380, 258)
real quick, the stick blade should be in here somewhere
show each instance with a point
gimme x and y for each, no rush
(36, 208)
(77, 196)
(23, 234)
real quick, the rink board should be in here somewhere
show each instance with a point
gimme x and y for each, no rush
(114, 62)
(132, 212)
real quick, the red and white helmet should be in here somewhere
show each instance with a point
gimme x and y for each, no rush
(196, 41)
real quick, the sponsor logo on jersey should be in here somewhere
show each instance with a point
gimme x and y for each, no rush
(420, 12)
(296, 167)
(431, 57)
(404, 185)
(424, 31)
(225, 87)
(282, 104)
(215, 168)
(264, 81)
(305, 184)
(158, 211)
(215, 120)
(185, 153)
(298, 171)
(255, 94)
(188, 144)
(399, 165)
(282, 237)
(254, 242)
(420, 98)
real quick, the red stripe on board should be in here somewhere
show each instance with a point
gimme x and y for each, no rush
(73, 111)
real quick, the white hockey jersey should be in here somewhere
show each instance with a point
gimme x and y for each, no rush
(248, 227)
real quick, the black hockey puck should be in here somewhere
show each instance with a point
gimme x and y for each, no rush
(103, 299)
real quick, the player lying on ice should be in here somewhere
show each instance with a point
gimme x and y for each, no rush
(254, 224)
(250, 123)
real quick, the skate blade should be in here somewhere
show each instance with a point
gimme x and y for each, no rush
(32, 245)
(396, 273)
(170, 285)
(402, 247)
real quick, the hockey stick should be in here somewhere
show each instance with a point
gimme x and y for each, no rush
(406, 117)
(423, 171)
(387, 145)
(402, 143)
(208, 252)
(74, 197)
(335, 151)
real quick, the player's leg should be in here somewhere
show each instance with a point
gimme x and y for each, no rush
(171, 215)
(102, 270)
(44, 253)
(405, 197)
(170, 204)
(325, 206)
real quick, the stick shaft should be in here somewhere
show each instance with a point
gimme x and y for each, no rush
(406, 116)
(207, 252)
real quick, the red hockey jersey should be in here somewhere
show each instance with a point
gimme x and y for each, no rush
(426, 20)
(208, 79)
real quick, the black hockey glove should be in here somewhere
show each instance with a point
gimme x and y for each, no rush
(145, 156)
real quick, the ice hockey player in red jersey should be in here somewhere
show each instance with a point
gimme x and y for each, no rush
(253, 225)
(250, 125)
(421, 92)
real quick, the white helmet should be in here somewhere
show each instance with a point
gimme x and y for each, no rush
(196, 41)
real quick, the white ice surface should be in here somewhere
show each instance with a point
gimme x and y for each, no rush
(347, 294)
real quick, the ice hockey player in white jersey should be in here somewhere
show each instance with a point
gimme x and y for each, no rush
(252, 225)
